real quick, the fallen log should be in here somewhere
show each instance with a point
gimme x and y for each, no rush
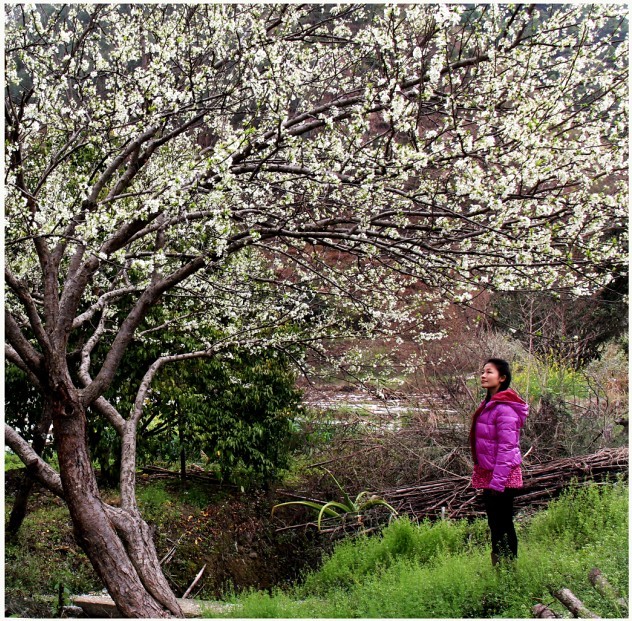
(605, 589)
(540, 611)
(574, 604)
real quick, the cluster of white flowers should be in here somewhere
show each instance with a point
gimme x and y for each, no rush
(318, 159)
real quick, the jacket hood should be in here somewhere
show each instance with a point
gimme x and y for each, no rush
(512, 398)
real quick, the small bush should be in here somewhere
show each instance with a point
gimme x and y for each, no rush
(535, 378)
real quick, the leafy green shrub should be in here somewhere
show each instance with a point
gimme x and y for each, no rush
(238, 411)
(536, 377)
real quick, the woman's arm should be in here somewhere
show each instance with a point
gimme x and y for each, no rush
(508, 454)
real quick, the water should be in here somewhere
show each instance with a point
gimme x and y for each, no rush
(369, 410)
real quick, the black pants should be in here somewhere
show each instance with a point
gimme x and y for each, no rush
(499, 508)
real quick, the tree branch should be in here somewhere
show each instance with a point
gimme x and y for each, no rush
(27, 353)
(106, 374)
(13, 357)
(35, 465)
(22, 293)
(100, 305)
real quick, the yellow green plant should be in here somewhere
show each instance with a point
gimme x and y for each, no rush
(332, 508)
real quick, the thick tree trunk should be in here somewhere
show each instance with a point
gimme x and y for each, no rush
(118, 543)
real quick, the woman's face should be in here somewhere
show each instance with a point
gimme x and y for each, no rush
(491, 379)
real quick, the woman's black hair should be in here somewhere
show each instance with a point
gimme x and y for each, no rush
(502, 366)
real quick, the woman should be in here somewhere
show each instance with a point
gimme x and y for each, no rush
(495, 444)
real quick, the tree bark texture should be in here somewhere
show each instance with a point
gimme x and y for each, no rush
(605, 589)
(118, 543)
(540, 611)
(574, 604)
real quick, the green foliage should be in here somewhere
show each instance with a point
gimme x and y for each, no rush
(22, 402)
(43, 556)
(239, 412)
(581, 516)
(363, 501)
(12, 462)
(443, 570)
(236, 410)
(63, 598)
(355, 560)
(548, 377)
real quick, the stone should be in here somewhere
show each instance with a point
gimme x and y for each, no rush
(99, 607)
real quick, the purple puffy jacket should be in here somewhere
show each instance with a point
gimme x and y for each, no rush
(495, 435)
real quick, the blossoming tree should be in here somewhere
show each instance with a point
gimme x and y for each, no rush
(274, 174)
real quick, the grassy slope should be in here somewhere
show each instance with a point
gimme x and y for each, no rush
(443, 570)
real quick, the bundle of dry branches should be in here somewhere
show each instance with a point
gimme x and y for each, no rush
(455, 497)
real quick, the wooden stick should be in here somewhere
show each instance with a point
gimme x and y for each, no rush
(540, 611)
(604, 588)
(329, 461)
(194, 582)
(167, 558)
(574, 604)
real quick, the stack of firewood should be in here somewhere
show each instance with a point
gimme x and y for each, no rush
(454, 497)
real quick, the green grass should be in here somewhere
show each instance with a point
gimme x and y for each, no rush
(44, 555)
(12, 462)
(442, 570)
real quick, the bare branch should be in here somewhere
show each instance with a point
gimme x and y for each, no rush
(100, 304)
(35, 465)
(22, 293)
(27, 353)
